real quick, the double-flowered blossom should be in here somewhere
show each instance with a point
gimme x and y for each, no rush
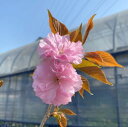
(61, 48)
(55, 83)
(61, 53)
(55, 79)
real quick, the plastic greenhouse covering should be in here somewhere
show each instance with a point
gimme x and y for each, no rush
(107, 108)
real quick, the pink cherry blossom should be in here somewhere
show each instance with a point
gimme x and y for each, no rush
(61, 48)
(55, 83)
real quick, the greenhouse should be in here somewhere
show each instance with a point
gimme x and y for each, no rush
(108, 107)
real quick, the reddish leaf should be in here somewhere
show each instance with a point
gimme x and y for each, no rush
(96, 73)
(85, 85)
(85, 63)
(67, 111)
(76, 35)
(92, 56)
(1, 83)
(63, 120)
(57, 26)
(81, 92)
(56, 109)
(88, 28)
(102, 58)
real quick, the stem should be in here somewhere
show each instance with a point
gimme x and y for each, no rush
(46, 116)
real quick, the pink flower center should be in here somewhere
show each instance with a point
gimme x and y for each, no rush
(56, 80)
(61, 52)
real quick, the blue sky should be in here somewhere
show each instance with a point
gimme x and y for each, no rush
(23, 21)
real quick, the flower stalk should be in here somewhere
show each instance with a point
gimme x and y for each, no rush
(46, 116)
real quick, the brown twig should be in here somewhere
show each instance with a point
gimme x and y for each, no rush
(46, 116)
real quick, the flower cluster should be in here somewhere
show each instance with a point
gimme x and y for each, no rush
(61, 53)
(55, 79)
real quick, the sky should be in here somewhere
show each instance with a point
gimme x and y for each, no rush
(23, 21)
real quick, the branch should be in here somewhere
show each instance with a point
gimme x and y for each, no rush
(46, 116)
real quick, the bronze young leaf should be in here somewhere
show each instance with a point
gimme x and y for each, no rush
(85, 63)
(63, 120)
(96, 73)
(107, 59)
(81, 92)
(1, 83)
(76, 35)
(57, 26)
(67, 111)
(93, 56)
(88, 28)
(85, 85)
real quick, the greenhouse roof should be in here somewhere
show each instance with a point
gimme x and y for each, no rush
(19, 60)
(109, 34)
